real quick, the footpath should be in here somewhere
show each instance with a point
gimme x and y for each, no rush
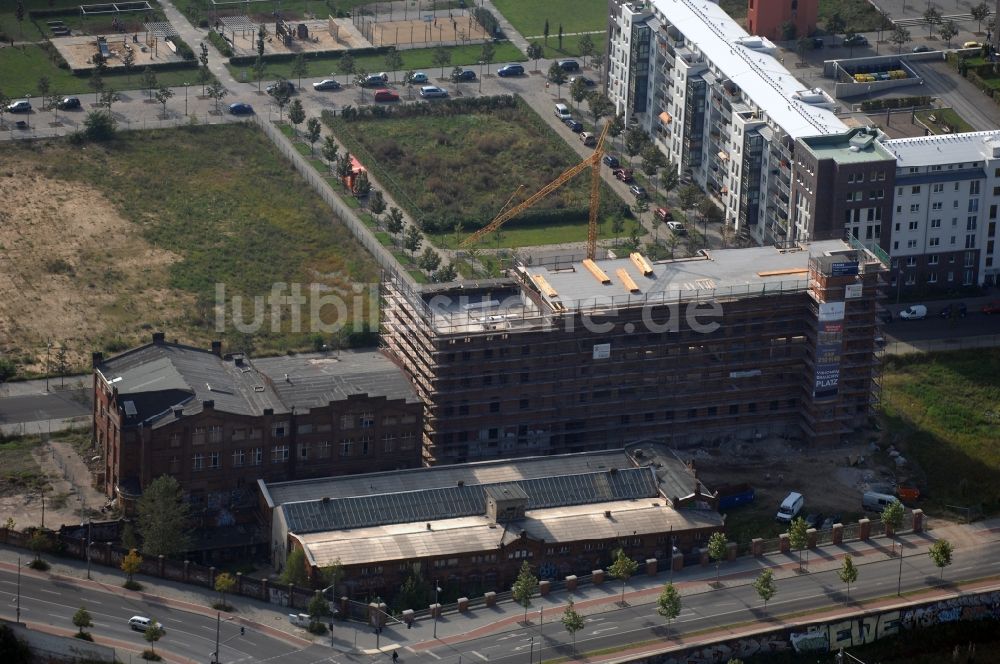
(453, 627)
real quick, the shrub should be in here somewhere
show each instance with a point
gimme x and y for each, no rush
(183, 49)
(220, 44)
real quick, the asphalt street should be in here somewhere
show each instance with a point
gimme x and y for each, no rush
(50, 406)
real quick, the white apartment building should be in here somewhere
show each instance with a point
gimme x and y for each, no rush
(718, 103)
(947, 195)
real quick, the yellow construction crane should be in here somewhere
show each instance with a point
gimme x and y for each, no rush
(593, 162)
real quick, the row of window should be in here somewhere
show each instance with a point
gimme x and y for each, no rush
(214, 434)
(970, 242)
(280, 453)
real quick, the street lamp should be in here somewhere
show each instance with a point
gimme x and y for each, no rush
(437, 607)
(88, 524)
(899, 579)
(531, 651)
(18, 619)
(186, 84)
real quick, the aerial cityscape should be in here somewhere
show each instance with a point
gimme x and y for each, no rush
(653, 331)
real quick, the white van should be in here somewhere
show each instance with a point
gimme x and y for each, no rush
(790, 507)
(562, 112)
(874, 501)
(139, 623)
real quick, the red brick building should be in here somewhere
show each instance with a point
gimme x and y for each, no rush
(219, 423)
(767, 18)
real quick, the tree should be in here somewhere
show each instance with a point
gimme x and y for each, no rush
(330, 149)
(204, 75)
(578, 91)
(892, 517)
(441, 58)
(764, 585)
(19, 15)
(980, 13)
(798, 536)
(688, 196)
(560, 36)
(940, 552)
(412, 240)
(261, 36)
(259, 70)
(709, 210)
(149, 82)
(296, 114)
(672, 242)
(524, 587)
(362, 185)
(900, 37)
(217, 92)
(557, 77)
(535, 52)
(4, 102)
(586, 46)
(294, 572)
(545, 32)
(282, 96)
(163, 518)
(848, 573)
(96, 82)
(600, 106)
(622, 569)
(933, 17)
(393, 61)
(153, 634)
(376, 204)
(163, 95)
(447, 273)
(487, 54)
(128, 61)
(131, 564)
(108, 97)
(640, 207)
(617, 126)
(129, 539)
(572, 621)
(224, 583)
(414, 592)
(803, 46)
(99, 126)
(299, 68)
(44, 88)
(347, 65)
(788, 31)
(81, 620)
(635, 140)
(456, 75)
(344, 167)
(429, 260)
(394, 222)
(717, 551)
(313, 130)
(835, 24)
(947, 31)
(318, 606)
(38, 543)
(62, 364)
(652, 161)
(668, 604)
(617, 226)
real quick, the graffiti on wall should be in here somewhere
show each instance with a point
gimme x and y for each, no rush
(847, 633)
(968, 607)
(723, 652)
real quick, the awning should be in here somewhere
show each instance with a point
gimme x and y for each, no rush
(665, 118)
(723, 155)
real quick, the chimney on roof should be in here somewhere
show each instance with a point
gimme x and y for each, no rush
(178, 413)
(217, 348)
(607, 514)
(96, 359)
(208, 404)
(461, 483)
(158, 337)
(287, 379)
(428, 526)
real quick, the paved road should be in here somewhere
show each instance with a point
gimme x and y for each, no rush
(940, 80)
(51, 406)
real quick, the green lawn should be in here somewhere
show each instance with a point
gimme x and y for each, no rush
(570, 47)
(515, 235)
(944, 408)
(945, 116)
(416, 59)
(528, 16)
(21, 68)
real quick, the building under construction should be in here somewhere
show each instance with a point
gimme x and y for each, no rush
(583, 355)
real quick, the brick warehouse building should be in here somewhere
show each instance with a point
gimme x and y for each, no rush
(561, 358)
(469, 527)
(219, 423)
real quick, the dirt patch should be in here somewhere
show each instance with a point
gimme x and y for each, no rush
(73, 271)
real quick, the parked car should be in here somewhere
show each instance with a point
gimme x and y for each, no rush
(914, 312)
(573, 124)
(991, 307)
(855, 40)
(790, 507)
(281, 86)
(829, 521)
(569, 65)
(638, 191)
(589, 82)
(923, 48)
(815, 520)
(327, 84)
(239, 108)
(386, 94)
(511, 70)
(69, 103)
(676, 227)
(950, 310)
(21, 124)
(588, 139)
(375, 80)
(972, 44)
(419, 77)
(432, 91)
(20, 106)
(664, 214)
(623, 174)
(817, 43)
(466, 75)
(611, 161)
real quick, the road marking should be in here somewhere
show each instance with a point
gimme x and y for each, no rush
(431, 653)
(605, 629)
(51, 592)
(482, 657)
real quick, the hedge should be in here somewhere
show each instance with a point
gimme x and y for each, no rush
(220, 44)
(894, 102)
(250, 60)
(163, 66)
(486, 19)
(182, 48)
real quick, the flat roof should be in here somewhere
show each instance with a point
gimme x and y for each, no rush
(717, 273)
(761, 77)
(944, 149)
(847, 148)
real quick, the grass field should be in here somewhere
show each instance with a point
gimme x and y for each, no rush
(528, 16)
(944, 408)
(462, 168)
(225, 209)
(515, 235)
(21, 68)
(20, 471)
(945, 116)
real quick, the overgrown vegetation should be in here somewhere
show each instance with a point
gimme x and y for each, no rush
(19, 472)
(943, 412)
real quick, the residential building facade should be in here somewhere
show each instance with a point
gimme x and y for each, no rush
(782, 20)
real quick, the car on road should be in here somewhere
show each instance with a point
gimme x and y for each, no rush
(568, 65)
(385, 94)
(923, 48)
(286, 87)
(20, 106)
(68, 103)
(327, 84)
(511, 70)
(855, 40)
(611, 161)
(676, 227)
(623, 174)
(972, 44)
(589, 82)
(466, 75)
(914, 312)
(950, 310)
(419, 77)
(991, 307)
(639, 191)
(573, 124)
(664, 214)
(142, 623)
(432, 91)
(240, 108)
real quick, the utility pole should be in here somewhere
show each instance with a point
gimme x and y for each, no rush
(899, 579)
(18, 589)
(437, 607)
(89, 523)
(218, 625)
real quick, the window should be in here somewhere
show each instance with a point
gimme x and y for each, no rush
(198, 436)
(304, 451)
(239, 458)
(935, 223)
(367, 420)
(973, 205)
(346, 448)
(523, 404)
(934, 242)
(304, 428)
(239, 434)
(346, 422)
(932, 260)
(967, 278)
(278, 429)
(175, 440)
(258, 456)
(913, 225)
(970, 241)
(915, 207)
(911, 244)
(279, 453)
(388, 442)
(915, 190)
(406, 441)
(199, 461)
(175, 465)
(215, 434)
(951, 276)
(974, 187)
(970, 223)
(932, 277)
(937, 189)
(911, 261)
(213, 460)
(936, 205)
(256, 433)
(323, 450)
(366, 444)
